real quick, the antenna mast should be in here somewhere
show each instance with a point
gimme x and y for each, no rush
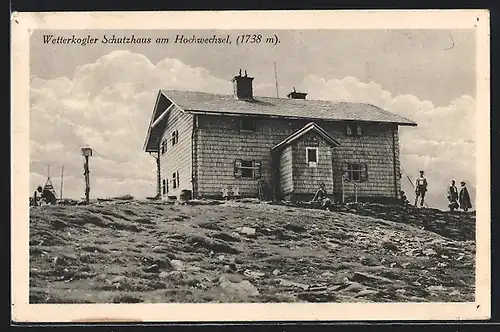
(62, 176)
(276, 80)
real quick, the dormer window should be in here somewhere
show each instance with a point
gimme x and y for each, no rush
(353, 129)
(247, 124)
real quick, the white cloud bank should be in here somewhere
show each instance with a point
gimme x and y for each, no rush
(107, 105)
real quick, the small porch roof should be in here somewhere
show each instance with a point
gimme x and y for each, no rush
(304, 130)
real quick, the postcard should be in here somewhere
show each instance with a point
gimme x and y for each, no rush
(250, 166)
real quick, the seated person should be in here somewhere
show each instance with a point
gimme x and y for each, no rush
(404, 200)
(37, 196)
(321, 197)
(49, 196)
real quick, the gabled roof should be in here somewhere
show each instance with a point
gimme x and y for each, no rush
(201, 102)
(158, 122)
(304, 130)
(217, 104)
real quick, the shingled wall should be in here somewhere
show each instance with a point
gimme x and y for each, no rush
(178, 158)
(219, 143)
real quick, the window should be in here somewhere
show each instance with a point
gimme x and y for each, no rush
(165, 186)
(248, 169)
(312, 156)
(175, 180)
(175, 137)
(163, 146)
(247, 124)
(357, 172)
(353, 129)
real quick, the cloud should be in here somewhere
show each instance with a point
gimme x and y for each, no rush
(107, 105)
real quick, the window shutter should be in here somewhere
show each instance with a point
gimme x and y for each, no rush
(237, 168)
(257, 169)
(178, 180)
(364, 173)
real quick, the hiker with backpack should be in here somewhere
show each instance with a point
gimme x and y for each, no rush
(420, 189)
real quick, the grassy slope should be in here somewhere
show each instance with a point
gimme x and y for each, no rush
(128, 253)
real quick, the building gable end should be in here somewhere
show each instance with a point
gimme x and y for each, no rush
(309, 128)
(159, 120)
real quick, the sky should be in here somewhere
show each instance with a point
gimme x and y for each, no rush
(102, 95)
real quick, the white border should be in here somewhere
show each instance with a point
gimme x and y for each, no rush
(24, 23)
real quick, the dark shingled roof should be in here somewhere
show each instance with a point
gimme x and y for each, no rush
(282, 107)
(207, 103)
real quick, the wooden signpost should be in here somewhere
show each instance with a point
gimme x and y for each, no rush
(87, 152)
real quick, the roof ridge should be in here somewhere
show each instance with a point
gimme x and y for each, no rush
(269, 97)
(314, 109)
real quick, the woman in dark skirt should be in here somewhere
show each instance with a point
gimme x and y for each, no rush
(464, 198)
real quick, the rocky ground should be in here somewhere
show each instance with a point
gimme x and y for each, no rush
(132, 251)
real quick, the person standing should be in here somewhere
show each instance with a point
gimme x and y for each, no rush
(420, 189)
(453, 196)
(464, 198)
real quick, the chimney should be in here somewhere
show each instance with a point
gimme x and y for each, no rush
(296, 95)
(242, 86)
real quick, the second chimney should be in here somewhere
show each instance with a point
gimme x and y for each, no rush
(296, 95)
(242, 86)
